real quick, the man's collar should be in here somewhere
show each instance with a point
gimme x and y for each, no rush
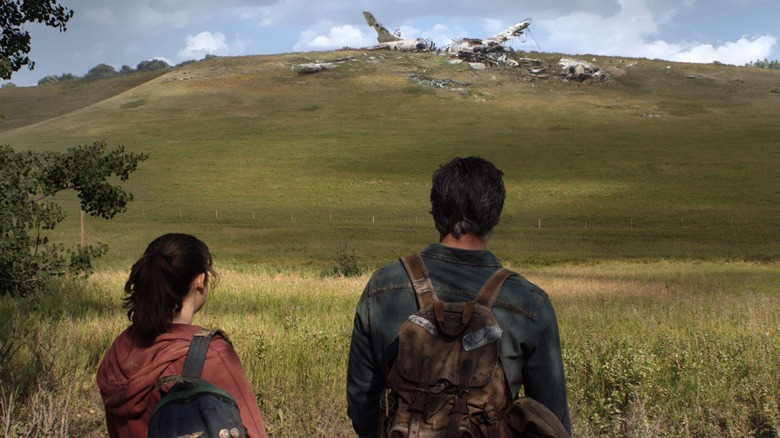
(467, 241)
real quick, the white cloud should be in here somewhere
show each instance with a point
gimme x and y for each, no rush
(632, 32)
(337, 37)
(407, 31)
(492, 27)
(738, 52)
(618, 34)
(442, 34)
(204, 43)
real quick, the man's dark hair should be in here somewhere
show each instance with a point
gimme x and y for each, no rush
(467, 196)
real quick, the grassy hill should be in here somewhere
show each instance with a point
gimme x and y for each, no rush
(268, 166)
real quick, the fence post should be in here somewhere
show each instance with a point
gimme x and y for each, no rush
(81, 240)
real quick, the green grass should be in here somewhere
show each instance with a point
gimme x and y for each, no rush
(277, 168)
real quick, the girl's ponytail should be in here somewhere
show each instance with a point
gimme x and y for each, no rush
(161, 279)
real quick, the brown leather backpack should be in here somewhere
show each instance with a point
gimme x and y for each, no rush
(447, 379)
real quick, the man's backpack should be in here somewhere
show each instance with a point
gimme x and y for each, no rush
(193, 407)
(447, 379)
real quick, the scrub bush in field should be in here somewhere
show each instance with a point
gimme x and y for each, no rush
(346, 264)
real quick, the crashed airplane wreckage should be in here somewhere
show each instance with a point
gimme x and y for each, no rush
(489, 45)
(479, 53)
(393, 41)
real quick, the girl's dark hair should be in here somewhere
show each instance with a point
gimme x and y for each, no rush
(160, 280)
(467, 196)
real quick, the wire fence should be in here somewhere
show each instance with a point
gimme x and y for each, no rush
(239, 214)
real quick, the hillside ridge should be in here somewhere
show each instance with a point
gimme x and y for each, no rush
(25, 107)
(278, 167)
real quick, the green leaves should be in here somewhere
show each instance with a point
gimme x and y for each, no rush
(14, 40)
(28, 180)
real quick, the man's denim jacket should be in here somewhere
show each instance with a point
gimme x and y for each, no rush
(530, 345)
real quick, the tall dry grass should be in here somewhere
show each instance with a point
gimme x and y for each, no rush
(655, 349)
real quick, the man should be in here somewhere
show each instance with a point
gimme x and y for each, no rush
(467, 197)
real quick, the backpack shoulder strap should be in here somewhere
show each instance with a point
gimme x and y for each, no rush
(196, 354)
(418, 273)
(489, 292)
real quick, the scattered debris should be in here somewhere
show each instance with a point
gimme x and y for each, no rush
(316, 67)
(448, 84)
(506, 59)
(578, 70)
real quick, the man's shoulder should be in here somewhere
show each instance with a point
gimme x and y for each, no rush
(520, 283)
(522, 296)
(390, 276)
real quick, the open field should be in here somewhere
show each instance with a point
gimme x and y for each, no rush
(274, 168)
(682, 349)
(648, 205)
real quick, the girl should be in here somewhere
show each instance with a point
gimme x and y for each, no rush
(166, 287)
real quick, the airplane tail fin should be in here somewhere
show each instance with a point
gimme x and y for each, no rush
(383, 35)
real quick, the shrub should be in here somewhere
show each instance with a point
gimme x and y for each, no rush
(152, 64)
(100, 71)
(346, 264)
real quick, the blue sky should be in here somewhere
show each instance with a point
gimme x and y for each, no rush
(125, 32)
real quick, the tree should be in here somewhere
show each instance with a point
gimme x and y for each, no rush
(28, 182)
(152, 64)
(14, 40)
(773, 65)
(101, 71)
(53, 79)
